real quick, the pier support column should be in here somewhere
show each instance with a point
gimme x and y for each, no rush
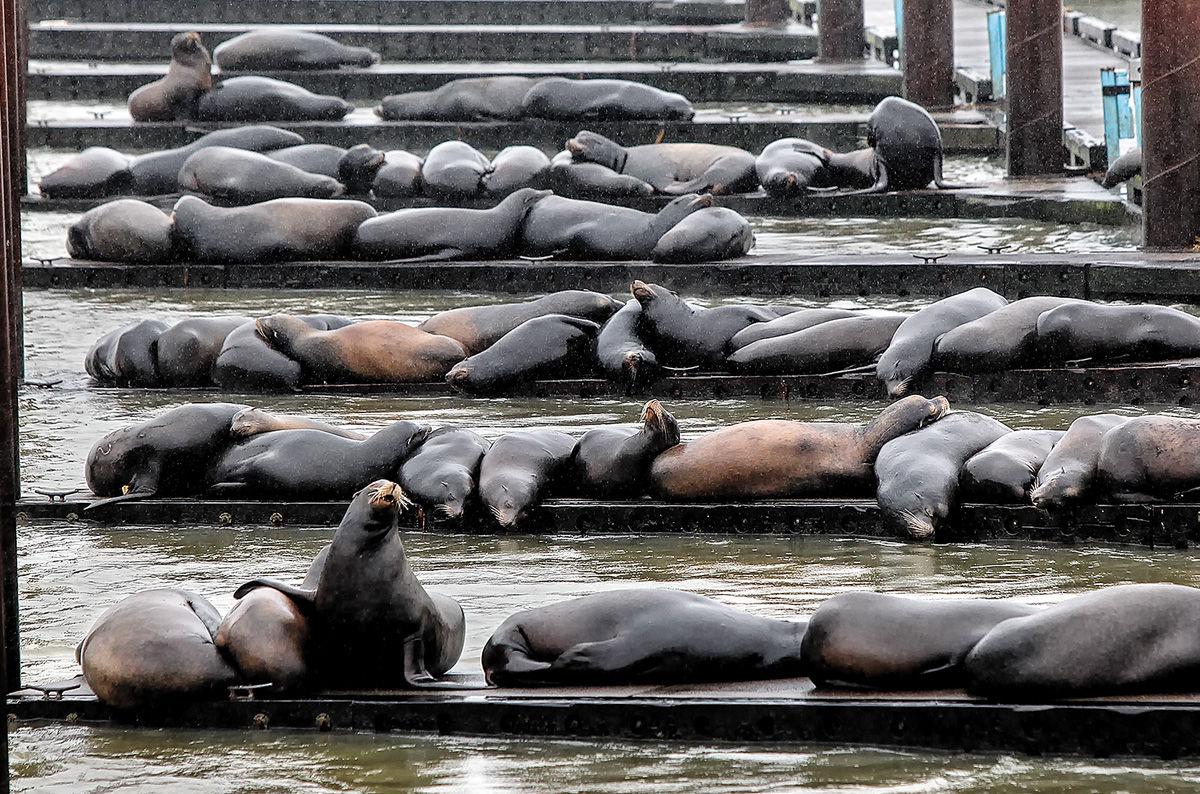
(927, 53)
(1170, 119)
(1035, 87)
(767, 13)
(840, 30)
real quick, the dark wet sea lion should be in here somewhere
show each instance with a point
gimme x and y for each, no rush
(454, 170)
(574, 229)
(236, 176)
(998, 341)
(517, 470)
(711, 235)
(154, 649)
(400, 175)
(93, 173)
(1129, 639)
(685, 335)
(358, 167)
(671, 168)
(1149, 458)
(315, 158)
(918, 473)
(254, 98)
(470, 99)
(312, 464)
(790, 166)
(775, 458)
(909, 355)
(445, 233)
(276, 49)
(892, 642)
(157, 173)
(255, 421)
(552, 346)
(125, 230)
(907, 144)
(1143, 332)
(281, 230)
(855, 170)
(186, 352)
(370, 607)
(569, 177)
(1126, 167)
(163, 456)
(620, 351)
(603, 100)
(1069, 471)
(640, 636)
(443, 473)
(515, 167)
(371, 351)
(175, 96)
(480, 327)
(127, 356)
(247, 363)
(614, 462)
(1005, 470)
(824, 348)
(794, 320)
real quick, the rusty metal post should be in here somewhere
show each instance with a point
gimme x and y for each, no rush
(1170, 120)
(927, 53)
(20, 186)
(767, 13)
(840, 30)
(1035, 87)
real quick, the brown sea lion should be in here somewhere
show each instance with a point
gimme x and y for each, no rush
(773, 458)
(175, 96)
(255, 421)
(372, 351)
(276, 49)
(1149, 458)
(480, 327)
(95, 172)
(125, 230)
(673, 169)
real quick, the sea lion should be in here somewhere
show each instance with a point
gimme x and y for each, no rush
(480, 327)
(1144, 332)
(572, 229)
(311, 464)
(443, 472)
(907, 144)
(247, 363)
(280, 230)
(399, 176)
(1124, 640)
(918, 473)
(685, 335)
(124, 230)
(1126, 167)
(671, 168)
(358, 166)
(775, 458)
(157, 173)
(909, 355)
(95, 172)
(186, 352)
(254, 98)
(163, 456)
(255, 421)
(854, 170)
(998, 341)
(1069, 472)
(154, 650)
(517, 469)
(713, 234)
(621, 353)
(614, 462)
(791, 166)
(315, 158)
(515, 167)
(236, 176)
(370, 607)
(640, 636)
(175, 96)
(788, 323)
(896, 643)
(469, 99)
(572, 178)
(1149, 458)
(824, 348)
(552, 346)
(454, 170)
(603, 100)
(1005, 470)
(276, 49)
(371, 351)
(445, 233)
(126, 356)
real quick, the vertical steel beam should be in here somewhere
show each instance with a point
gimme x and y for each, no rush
(1035, 87)
(767, 13)
(1170, 121)
(840, 30)
(927, 53)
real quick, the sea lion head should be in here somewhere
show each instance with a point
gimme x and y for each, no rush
(113, 463)
(359, 165)
(591, 147)
(459, 376)
(377, 507)
(280, 331)
(187, 48)
(659, 421)
(524, 199)
(249, 422)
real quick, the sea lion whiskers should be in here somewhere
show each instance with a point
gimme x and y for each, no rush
(919, 526)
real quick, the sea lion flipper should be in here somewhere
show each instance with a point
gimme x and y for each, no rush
(129, 497)
(415, 673)
(305, 597)
(937, 177)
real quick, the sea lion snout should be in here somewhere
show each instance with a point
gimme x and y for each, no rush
(386, 495)
(703, 200)
(938, 407)
(641, 290)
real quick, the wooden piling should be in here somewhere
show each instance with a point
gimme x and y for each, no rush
(1035, 87)
(840, 30)
(767, 13)
(927, 53)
